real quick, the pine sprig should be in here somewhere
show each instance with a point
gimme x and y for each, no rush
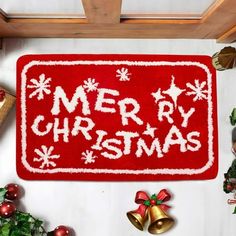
(23, 224)
(18, 223)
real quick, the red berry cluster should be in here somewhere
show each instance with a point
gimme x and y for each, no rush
(8, 208)
(2, 95)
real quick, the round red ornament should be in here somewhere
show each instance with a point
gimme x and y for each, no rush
(7, 209)
(2, 95)
(12, 191)
(229, 187)
(61, 231)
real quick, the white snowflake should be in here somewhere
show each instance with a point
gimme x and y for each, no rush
(88, 157)
(45, 156)
(123, 73)
(197, 90)
(90, 85)
(42, 86)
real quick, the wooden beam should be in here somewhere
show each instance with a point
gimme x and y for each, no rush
(102, 11)
(228, 37)
(219, 19)
(4, 26)
(79, 28)
(213, 25)
(211, 10)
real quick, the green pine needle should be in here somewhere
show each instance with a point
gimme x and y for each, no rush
(234, 211)
(21, 224)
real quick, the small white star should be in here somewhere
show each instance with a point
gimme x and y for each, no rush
(157, 95)
(149, 130)
(173, 91)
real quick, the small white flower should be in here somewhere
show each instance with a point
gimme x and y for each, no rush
(88, 157)
(90, 85)
(45, 156)
(123, 73)
(40, 87)
(197, 90)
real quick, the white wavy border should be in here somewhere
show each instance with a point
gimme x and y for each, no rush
(165, 171)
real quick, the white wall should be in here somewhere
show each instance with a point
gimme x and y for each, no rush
(99, 208)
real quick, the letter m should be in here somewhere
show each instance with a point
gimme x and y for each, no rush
(60, 97)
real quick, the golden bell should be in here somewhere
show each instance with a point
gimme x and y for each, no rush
(160, 222)
(138, 217)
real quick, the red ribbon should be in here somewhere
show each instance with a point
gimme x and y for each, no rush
(143, 198)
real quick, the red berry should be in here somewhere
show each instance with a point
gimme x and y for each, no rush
(12, 191)
(2, 95)
(229, 187)
(61, 231)
(7, 209)
(153, 202)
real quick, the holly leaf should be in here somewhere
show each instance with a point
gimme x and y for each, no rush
(2, 191)
(154, 196)
(5, 229)
(233, 117)
(4, 220)
(159, 202)
(234, 211)
(38, 223)
(21, 228)
(2, 194)
(22, 217)
(147, 203)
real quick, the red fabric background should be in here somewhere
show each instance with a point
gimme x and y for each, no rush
(144, 80)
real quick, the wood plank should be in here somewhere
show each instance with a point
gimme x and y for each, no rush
(75, 28)
(4, 26)
(3, 17)
(216, 22)
(39, 28)
(213, 26)
(102, 11)
(211, 10)
(228, 37)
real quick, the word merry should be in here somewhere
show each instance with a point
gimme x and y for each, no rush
(128, 107)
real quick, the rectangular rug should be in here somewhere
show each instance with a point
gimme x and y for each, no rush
(116, 117)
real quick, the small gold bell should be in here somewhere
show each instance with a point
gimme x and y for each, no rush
(138, 217)
(160, 222)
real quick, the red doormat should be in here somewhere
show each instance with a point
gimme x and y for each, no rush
(116, 117)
